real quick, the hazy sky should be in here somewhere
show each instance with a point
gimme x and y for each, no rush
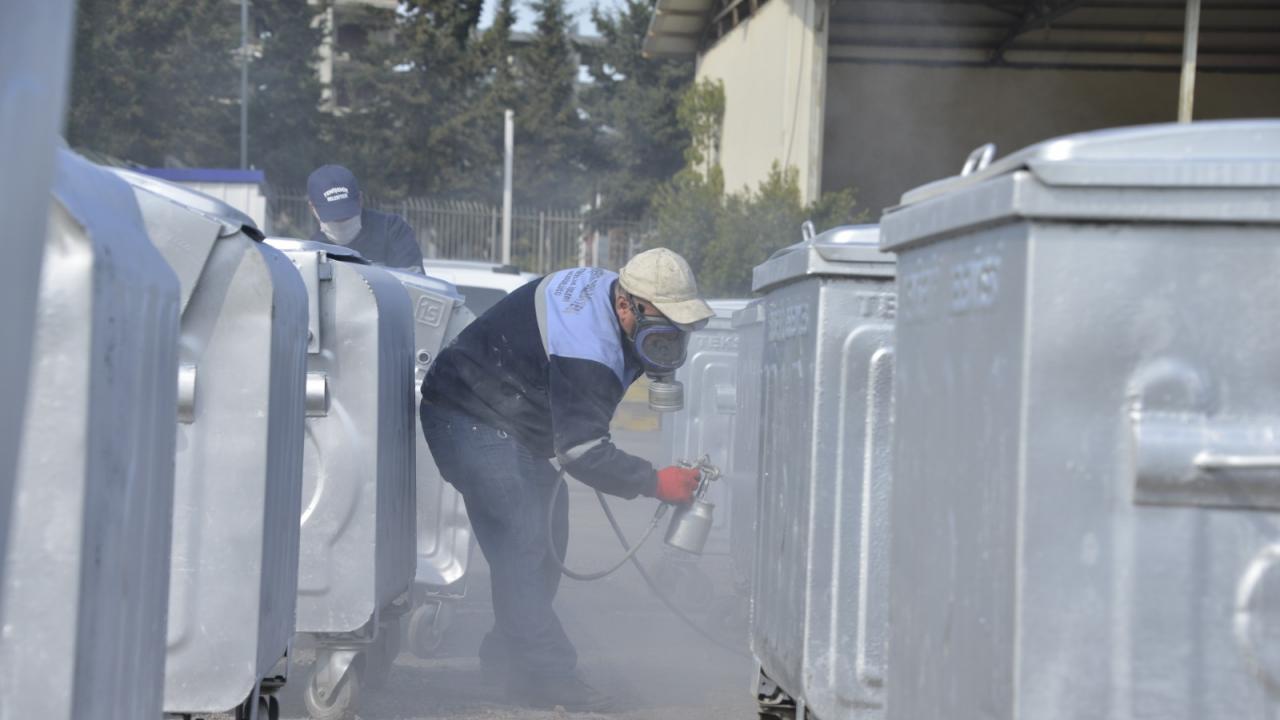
(580, 9)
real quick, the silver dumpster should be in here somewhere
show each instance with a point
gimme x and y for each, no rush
(705, 425)
(744, 467)
(1087, 456)
(357, 552)
(238, 478)
(444, 532)
(87, 580)
(819, 601)
(33, 85)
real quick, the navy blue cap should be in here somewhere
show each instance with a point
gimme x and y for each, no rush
(334, 192)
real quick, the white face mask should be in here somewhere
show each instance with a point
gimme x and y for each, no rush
(341, 231)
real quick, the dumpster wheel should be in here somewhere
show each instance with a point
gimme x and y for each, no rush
(340, 704)
(268, 708)
(772, 702)
(425, 630)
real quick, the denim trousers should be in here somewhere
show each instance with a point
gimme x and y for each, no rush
(507, 490)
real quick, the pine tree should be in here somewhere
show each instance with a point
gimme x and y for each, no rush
(156, 79)
(554, 146)
(498, 90)
(635, 101)
(408, 132)
(286, 133)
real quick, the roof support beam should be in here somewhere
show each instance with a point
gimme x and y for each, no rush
(1039, 14)
(1190, 43)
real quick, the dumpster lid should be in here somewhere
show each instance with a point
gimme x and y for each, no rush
(752, 314)
(1221, 172)
(232, 218)
(427, 282)
(851, 250)
(337, 252)
(1217, 154)
(725, 309)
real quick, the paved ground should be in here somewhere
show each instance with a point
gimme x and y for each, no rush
(628, 642)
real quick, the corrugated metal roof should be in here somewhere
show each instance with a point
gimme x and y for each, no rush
(1235, 35)
(677, 27)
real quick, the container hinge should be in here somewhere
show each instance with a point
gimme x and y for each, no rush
(317, 394)
(187, 394)
(314, 267)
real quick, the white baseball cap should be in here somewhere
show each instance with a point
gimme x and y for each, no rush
(664, 279)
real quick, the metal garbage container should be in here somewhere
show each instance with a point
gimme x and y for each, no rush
(87, 569)
(1088, 424)
(444, 532)
(356, 563)
(820, 602)
(238, 477)
(33, 83)
(705, 425)
(744, 466)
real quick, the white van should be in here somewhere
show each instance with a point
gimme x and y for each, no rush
(482, 283)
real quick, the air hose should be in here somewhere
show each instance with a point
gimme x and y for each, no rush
(629, 556)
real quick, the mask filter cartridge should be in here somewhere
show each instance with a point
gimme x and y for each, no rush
(665, 395)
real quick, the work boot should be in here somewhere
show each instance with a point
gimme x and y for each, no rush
(495, 659)
(570, 692)
(495, 672)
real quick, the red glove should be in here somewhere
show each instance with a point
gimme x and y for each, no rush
(676, 484)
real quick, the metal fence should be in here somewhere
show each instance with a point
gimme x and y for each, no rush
(542, 240)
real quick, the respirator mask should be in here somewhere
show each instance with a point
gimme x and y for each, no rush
(342, 232)
(662, 347)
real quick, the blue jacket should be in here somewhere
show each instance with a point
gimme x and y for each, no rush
(549, 364)
(384, 239)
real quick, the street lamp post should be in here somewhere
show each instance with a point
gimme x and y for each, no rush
(244, 84)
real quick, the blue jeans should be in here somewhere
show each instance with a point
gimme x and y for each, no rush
(507, 490)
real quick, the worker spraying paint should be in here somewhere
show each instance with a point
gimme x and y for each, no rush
(537, 377)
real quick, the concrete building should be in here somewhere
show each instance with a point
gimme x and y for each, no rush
(887, 94)
(348, 25)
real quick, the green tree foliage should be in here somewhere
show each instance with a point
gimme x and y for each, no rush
(404, 98)
(753, 224)
(447, 60)
(633, 101)
(498, 88)
(555, 149)
(700, 113)
(417, 100)
(688, 208)
(286, 125)
(724, 236)
(687, 211)
(153, 80)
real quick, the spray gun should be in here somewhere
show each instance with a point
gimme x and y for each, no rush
(688, 531)
(691, 524)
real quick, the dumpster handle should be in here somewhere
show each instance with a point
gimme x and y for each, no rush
(1215, 461)
(979, 159)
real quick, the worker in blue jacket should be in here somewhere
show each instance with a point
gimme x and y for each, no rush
(539, 376)
(381, 238)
